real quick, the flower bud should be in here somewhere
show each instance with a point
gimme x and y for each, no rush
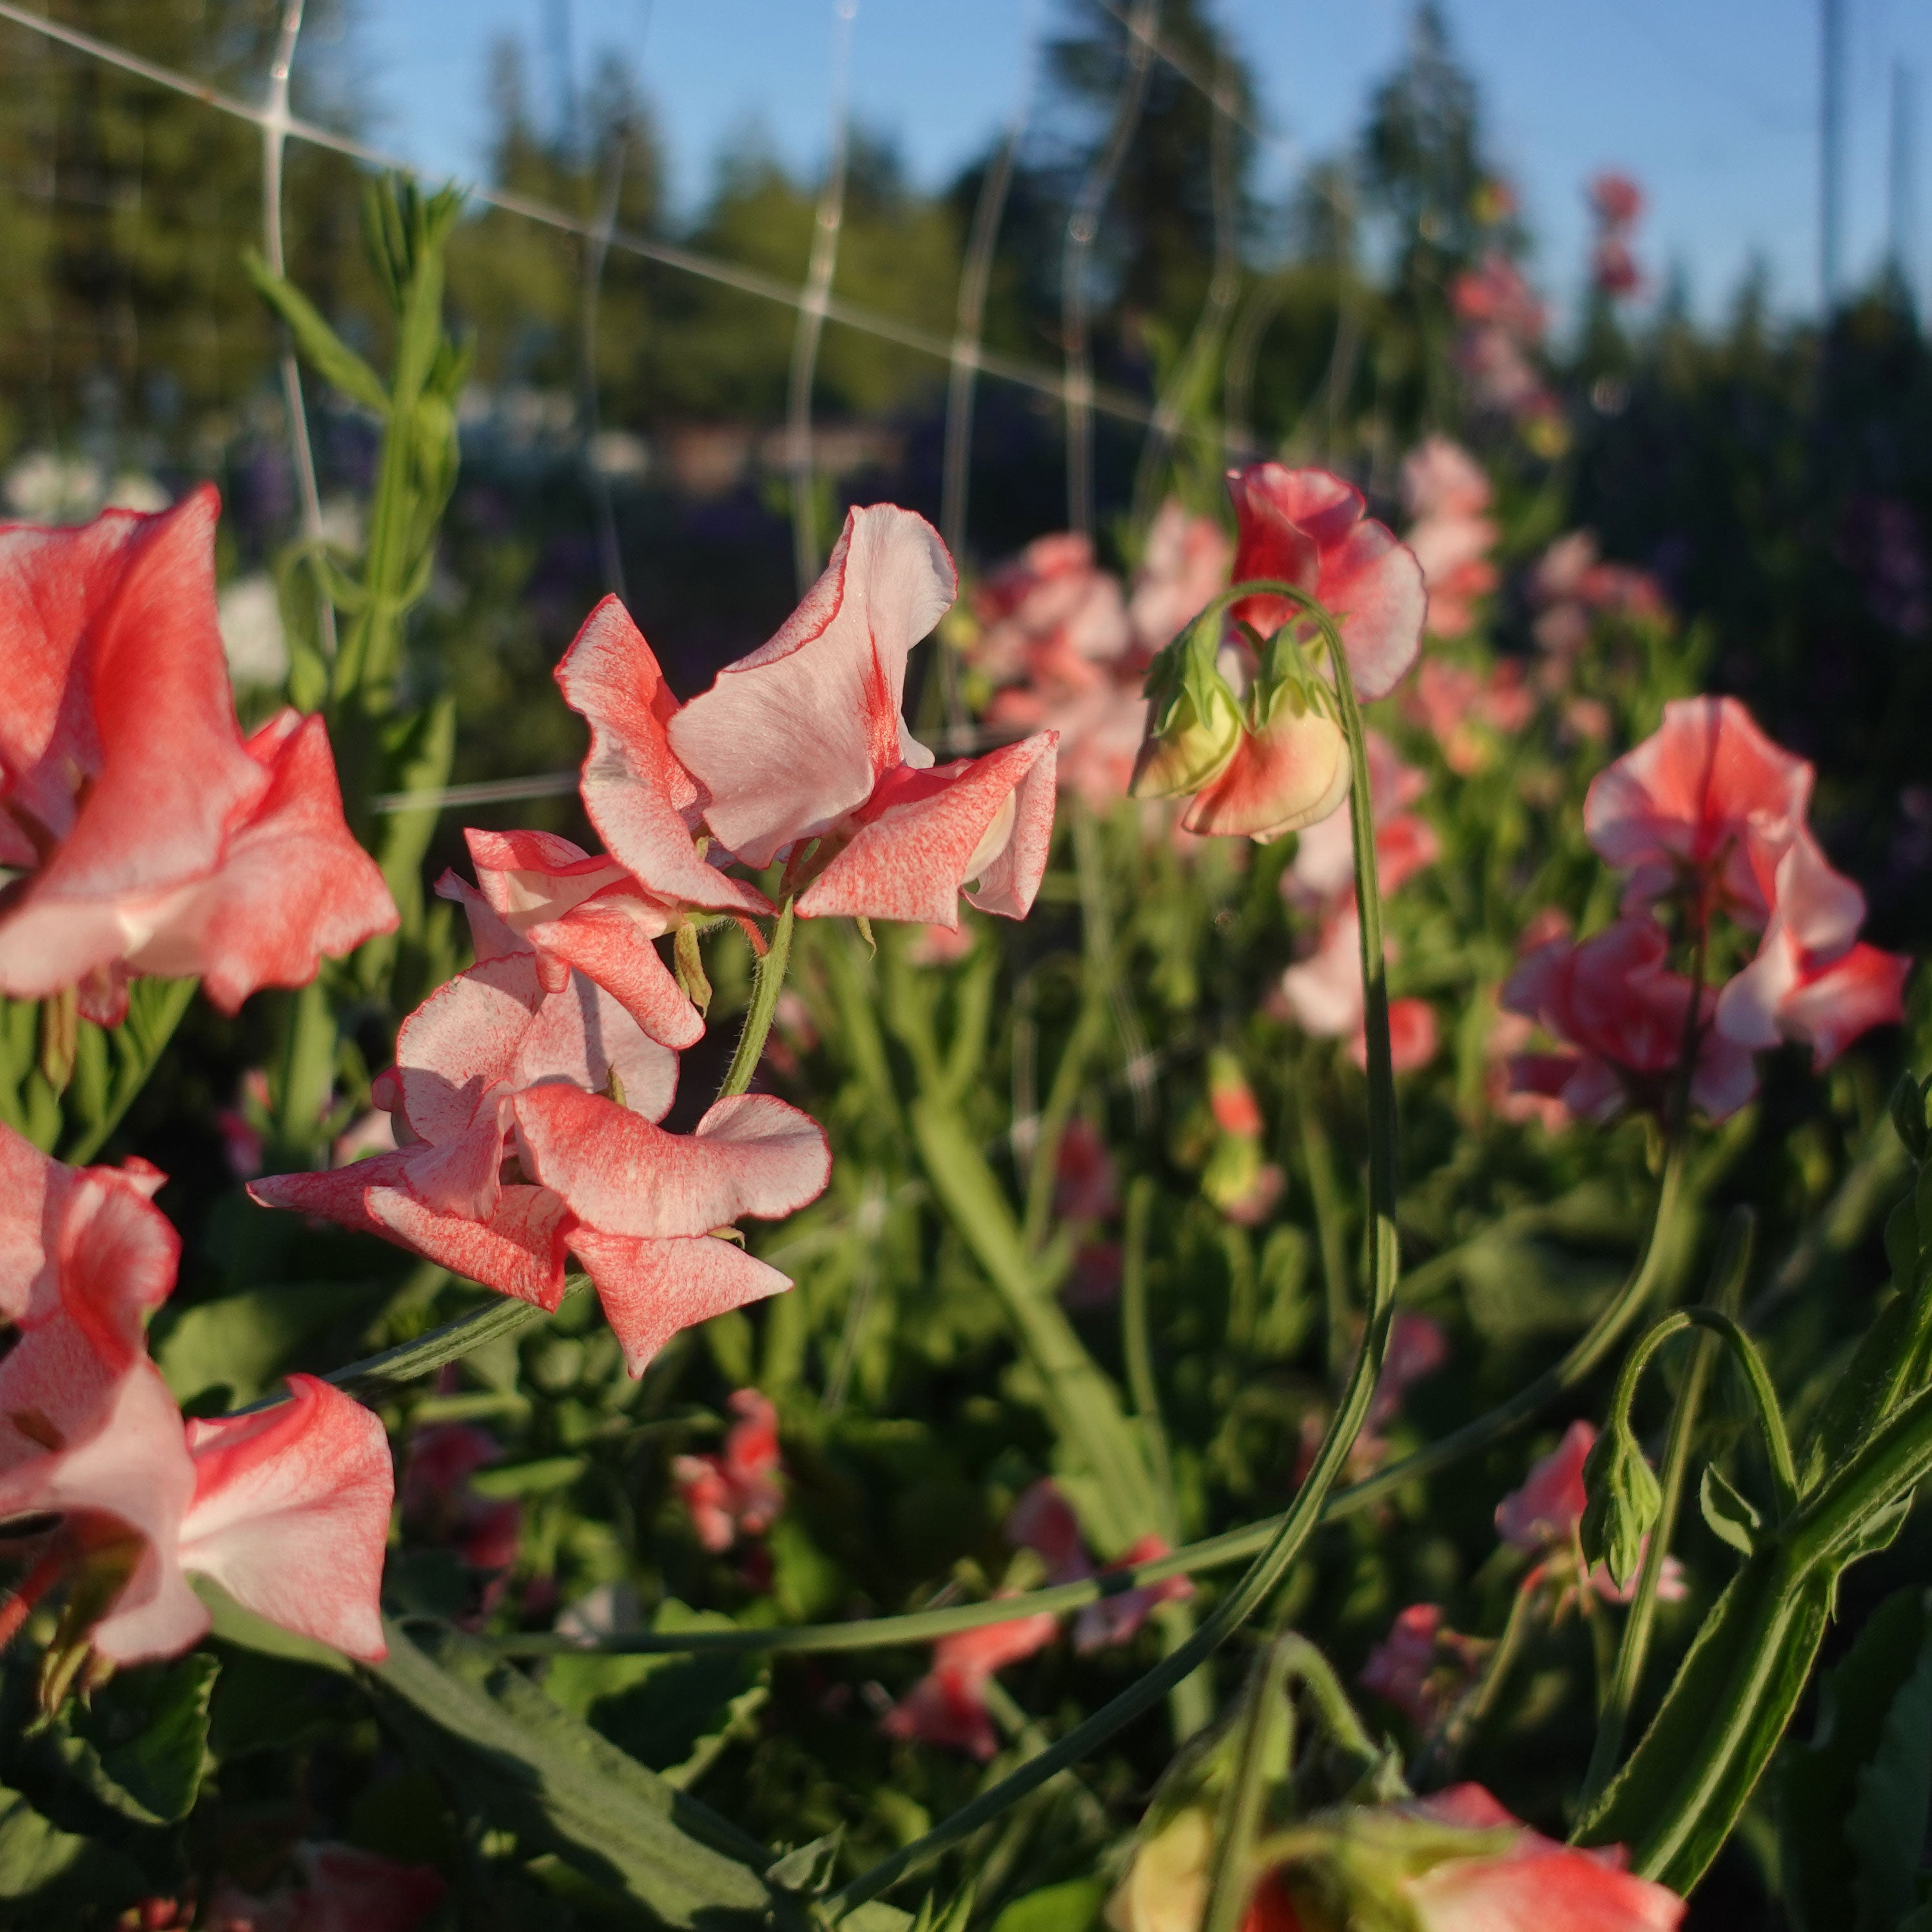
(1194, 723)
(1624, 1502)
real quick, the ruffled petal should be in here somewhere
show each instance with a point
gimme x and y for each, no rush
(1294, 772)
(291, 1514)
(926, 834)
(518, 1251)
(650, 1289)
(751, 1155)
(790, 739)
(610, 939)
(636, 792)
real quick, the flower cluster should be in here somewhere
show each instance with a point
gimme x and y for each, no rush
(107, 1494)
(1501, 326)
(1616, 204)
(141, 832)
(1447, 496)
(1706, 817)
(737, 1493)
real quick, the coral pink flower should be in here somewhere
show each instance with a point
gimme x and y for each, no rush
(804, 740)
(1099, 729)
(1466, 711)
(1447, 493)
(1307, 528)
(155, 838)
(1323, 996)
(341, 1889)
(1527, 1881)
(1495, 291)
(571, 910)
(1053, 618)
(440, 1507)
(947, 1706)
(1421, 1666)
(1789, 992)
(1611, 1001)
(1042, 1520)
(1183, 569)
(287, 1508)
(1323, 874)
(737, 1493)
(492, 1053)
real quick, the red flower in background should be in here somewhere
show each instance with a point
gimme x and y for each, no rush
(1422, 1665)
(737, 1493)
(947, 1706)
(1447, 492)
(340, 1889)
(1623, 1017)
(150, 836)
(287, 1507)
(439, 1506)
(1043, 1521)
(1307, 528)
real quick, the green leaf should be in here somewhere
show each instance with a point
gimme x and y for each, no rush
(332, 359)
(516, 1759)
(140, 1745)
(528, 1479)
(1860, 1764)
(1069, 1907)
(244, 1342)
(40, 1864)
(1731, 1519)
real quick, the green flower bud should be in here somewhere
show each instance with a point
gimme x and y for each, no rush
(1624, 1502)
(1194, 726)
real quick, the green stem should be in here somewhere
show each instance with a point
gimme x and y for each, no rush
(1268, 1715)
(767, 982)
(1614, 1720)
(1137, 1346)
(157, 1029)
(1255, 1588)
(1326, 1198)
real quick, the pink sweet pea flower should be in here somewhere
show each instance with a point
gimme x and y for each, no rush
(340, 1889)
(1389, 1864)
(1708, 802)
(1053, 619)
(440, 1507)
(947, 1706)
(1421, 1666)
(1042, 1520)
(287, 1508)
(1466, 711)
(1448, 495)
(804, 740)
(1621, 1016)
(1616, 201)
(155, 838)
(1788, 993)
(1323, 874)
(1184, 568)
(1308, 528)
(492, 1053)
(737, 1493)
(571, 910)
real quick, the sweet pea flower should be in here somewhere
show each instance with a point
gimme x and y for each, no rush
(144, 835)
(1182, 569)
(1447, 496)
(1053, 617)
(1466, 711)
(570, 909)
(339, 1888)
(804, 741)
(1622, 1018)
(493, 1055)
(1454, 1861)
(947, 1706)
(1238, 1179)
(1422, 1667)
(1323, 874)
(737, 1493)
(110, 1493)
(1042, 1521)
(1262, 754)
(1790, 991)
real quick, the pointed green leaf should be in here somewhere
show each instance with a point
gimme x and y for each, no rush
(53, 1870)
(1732, 1518)
(140, 1744)
(331, 357)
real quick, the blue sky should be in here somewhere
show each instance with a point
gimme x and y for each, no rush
(1711, 103)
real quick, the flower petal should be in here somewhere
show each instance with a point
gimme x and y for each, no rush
(1293, 773)
(924, 836)
(790, 738)
(609, 939)
(751, 1155)
(291, 1514)
(635, 789)
(652, 1287)
(518, 1251)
